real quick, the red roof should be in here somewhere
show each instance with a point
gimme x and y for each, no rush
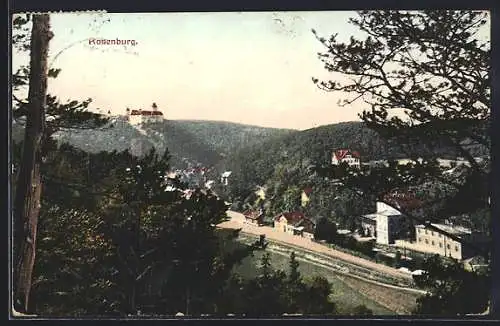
(405, 200)
(307, 224)
(251, 215)
(139, 112)
(341, 153)
(308, 190)
(291, 217)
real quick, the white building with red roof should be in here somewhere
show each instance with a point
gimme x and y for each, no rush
(137, 117)
(351, 158)
(294, 223)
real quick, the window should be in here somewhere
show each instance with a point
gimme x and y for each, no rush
(418, 230)
(425, 231)
(440, 245)
(433, 243)
(419, 239)
(432, 233)
(456, 248)
(440, 235)
(426, 241)
(448, 246)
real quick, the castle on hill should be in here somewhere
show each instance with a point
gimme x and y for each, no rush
(137, 117)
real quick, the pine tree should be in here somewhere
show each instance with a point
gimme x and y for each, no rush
(32, 113)
(295, 286)
(28, 189)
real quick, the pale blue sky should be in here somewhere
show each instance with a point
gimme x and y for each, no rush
(252, 67)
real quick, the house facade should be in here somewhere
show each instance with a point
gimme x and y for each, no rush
(351, 158)
(431, 241)
(295, 223)
(389, 228)
(385, 225)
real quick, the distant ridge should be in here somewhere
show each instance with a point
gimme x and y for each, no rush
(230, 145)
(188, 141)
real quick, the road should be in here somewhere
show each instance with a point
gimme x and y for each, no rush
(237, 221)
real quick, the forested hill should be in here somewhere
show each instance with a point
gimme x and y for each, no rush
(205, 142)
(238, 147)
(314, 147)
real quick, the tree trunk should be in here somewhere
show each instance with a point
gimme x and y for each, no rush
(132, 296)
(28, 188)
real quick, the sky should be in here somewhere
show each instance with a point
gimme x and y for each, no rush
(254, 67)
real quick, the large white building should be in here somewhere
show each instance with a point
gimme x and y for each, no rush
(430, 241)
(137, 117)
(352, 158)
(388, 223)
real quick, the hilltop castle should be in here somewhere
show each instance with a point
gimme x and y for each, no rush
(136, 117)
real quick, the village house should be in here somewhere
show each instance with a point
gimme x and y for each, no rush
(225, 178)
(295, 223)
(305, 196)
(254, 217)
(388, 223)
(352, 158)
(433, 242)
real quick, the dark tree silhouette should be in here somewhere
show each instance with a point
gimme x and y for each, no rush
(33, 113)
(28, 190)
(432, 69)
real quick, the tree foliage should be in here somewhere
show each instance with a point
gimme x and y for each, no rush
(424, 77)
(453, 290)
(119, 243)
(430, 63)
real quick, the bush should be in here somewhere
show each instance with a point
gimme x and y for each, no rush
(379, 257)
(397, 259)
(362, 310)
